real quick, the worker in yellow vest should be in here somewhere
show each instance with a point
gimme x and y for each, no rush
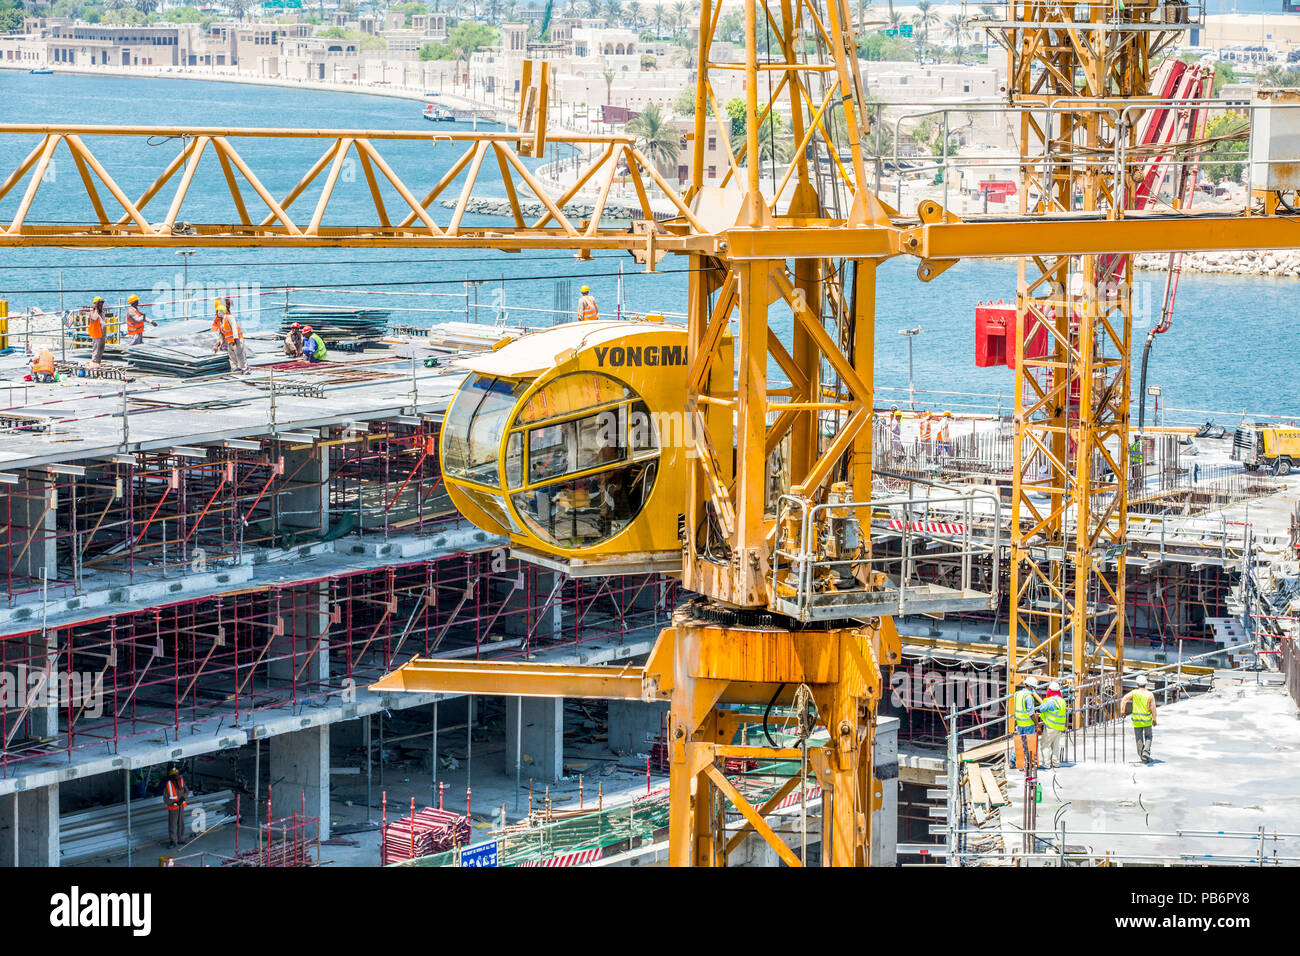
(587, 309)
(1025, 704)
(1055, 713)
(1142, 703)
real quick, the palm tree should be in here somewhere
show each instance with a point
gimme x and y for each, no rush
(634, 16)
(659, 18)
(593, 9)
(955, 27)
(655, 137)
(862, 14)
(679, 15)
(237, 8)
(924, 16)
(613, 12)
(609, 75)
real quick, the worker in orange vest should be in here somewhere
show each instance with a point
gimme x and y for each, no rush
(587, 309)
(174, 794)
(135, 320)
(943, 440)
(927, 421)
(95, 329)
(43, 365)
(230, 335)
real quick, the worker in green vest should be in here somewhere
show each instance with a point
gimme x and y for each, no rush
(1025, 706)
(1142, 703)
(1055, 713)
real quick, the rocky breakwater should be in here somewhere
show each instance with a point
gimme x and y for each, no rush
(1278, 263)
(533, 209)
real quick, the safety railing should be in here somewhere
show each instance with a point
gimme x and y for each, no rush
(825, 565)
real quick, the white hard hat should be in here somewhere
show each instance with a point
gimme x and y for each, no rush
(1031, 681)
(1142, 680)
(1054, 685)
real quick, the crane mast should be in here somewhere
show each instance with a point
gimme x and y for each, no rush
(1076, 75)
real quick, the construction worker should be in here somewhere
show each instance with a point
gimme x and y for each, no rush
(943, 439)
(135, 320)
(293, 341)
(896, 432)
(1135, 459)
(1055, 713)
(1143, 705)
(927, 424)
(1025, 706)
(95, 329)
(230, 335)
(587, 309)
(174, 794)
(43, 365)
(313, 346)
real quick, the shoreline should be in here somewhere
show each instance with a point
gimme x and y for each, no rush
(249, 79)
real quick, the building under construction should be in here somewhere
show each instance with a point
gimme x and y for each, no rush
(691, 592)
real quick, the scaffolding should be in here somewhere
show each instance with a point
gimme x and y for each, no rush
(202, 663)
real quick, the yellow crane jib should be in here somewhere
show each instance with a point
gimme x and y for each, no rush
(573, 442)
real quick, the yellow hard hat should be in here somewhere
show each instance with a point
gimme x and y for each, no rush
(216, 303)
(133, 298)
(898, 414)
(947, 414)
(586, 289)
(97, 300)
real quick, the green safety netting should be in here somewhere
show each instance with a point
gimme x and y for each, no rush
(626, 822)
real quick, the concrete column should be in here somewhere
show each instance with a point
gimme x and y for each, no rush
(300, 763)
(38, 827)
(517, 618)
(303, 616)
(634, 725)
(541, 747)
(306, 507)
(884, 822)
(32, 510)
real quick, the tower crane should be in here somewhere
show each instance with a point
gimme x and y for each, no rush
(778, 521)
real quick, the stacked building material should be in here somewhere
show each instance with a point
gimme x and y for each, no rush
(336, 326)
(182, 361)
(101, 832)
(431, 831)
(291, 841)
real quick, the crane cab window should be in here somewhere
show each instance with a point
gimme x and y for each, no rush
(590, 469)
(475, 423)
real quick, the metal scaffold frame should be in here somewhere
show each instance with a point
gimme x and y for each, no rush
(194, 665)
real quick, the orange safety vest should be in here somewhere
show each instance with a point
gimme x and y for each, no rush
(172, 794)
(943, 434)
(589, 310)
(925, 429)
(134, 321)
(95, 327)
(225, 324)
(44, 362)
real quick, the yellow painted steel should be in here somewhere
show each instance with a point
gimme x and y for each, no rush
(808, 247)
(572, 441)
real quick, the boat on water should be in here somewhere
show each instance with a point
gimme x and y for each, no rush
(436, 113)
(41, 71)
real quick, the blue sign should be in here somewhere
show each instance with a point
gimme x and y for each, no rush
(485, 854)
